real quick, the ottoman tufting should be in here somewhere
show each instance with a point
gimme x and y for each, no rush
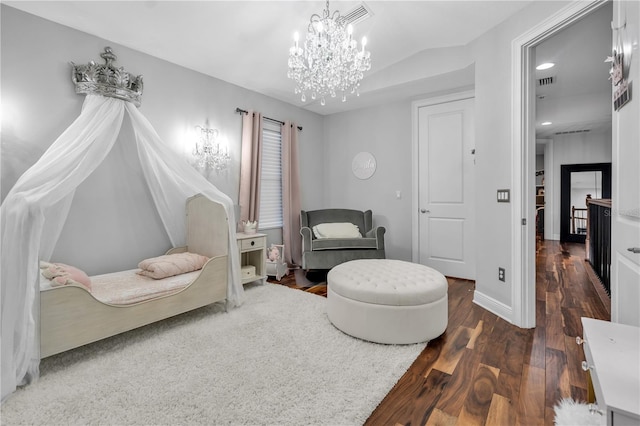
(387, 301)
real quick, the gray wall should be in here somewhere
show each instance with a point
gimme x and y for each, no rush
(113, 224)
(385, 132)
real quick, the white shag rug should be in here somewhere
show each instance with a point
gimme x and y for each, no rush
(277, 360)
(573, 413)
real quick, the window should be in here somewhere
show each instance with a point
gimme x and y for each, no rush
(271, 183)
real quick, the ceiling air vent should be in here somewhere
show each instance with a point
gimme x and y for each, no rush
(546, 81)
(569, 132)
(358, 14)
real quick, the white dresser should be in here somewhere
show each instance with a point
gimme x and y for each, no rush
(612, 354)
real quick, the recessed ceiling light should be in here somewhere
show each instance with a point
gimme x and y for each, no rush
(545, 123)
(545, 66)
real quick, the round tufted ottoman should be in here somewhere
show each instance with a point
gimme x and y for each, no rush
(387, 301)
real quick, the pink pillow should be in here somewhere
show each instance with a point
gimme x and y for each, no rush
(61, 274)
(169, 265)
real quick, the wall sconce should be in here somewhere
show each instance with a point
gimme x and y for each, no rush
(209, 152)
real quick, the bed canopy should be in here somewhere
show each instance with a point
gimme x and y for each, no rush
(35, 210)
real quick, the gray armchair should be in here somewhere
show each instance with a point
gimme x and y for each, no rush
(325, 253)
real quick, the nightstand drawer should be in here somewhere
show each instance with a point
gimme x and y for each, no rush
(252, 243)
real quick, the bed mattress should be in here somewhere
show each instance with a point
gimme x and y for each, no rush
(127, 287)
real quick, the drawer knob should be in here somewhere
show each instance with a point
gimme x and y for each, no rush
(580, 340)
(593, 409)
(253, 243)
(586, 367)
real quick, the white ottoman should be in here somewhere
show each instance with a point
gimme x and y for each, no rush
(387, 301)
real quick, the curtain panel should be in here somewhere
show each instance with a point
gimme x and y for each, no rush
(291, 195)
(250, 166)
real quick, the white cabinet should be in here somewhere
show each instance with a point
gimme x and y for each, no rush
(612, 354)
(253, 257)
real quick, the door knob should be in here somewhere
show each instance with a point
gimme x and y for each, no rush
(425, 211)
(634, 249)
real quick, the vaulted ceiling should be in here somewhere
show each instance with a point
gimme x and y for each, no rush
(247, 42)
(416, 47)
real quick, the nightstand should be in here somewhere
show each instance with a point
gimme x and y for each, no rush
(253, 257)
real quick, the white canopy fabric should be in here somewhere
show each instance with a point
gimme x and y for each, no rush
(34, 212)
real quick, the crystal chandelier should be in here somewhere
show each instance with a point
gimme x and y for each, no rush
(330, 62)
(209, 152)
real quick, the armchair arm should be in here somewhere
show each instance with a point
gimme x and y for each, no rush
(378, 234)
(307, 236)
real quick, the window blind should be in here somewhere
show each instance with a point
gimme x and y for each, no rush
(271, 184)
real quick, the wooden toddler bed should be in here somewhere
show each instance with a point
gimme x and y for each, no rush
(72, 316)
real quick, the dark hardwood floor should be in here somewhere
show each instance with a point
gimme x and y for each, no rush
(485, 371)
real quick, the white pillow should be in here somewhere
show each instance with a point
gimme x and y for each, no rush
(336, 230)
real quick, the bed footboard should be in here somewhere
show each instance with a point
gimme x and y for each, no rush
(70, 316)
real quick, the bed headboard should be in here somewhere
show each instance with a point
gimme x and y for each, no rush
(207, 227)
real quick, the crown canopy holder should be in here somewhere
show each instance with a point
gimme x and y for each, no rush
(107, 80)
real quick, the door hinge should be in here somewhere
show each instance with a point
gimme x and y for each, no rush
(524, 221)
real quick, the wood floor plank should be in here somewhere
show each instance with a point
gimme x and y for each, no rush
(574, 357)
(501, 412)
(571, 321)
(494, 352)
(475, 333)
(554, 330)
(515, 350)
(455, 394)
(424, 363)
(476, 407)
(531, 397)
(452, 351)
(440, 418)
(557, 385)
(509, 386)
(412, 402)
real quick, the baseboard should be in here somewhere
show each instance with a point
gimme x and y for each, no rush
(490, 304)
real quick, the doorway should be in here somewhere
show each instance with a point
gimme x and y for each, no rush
(523, 153)
(579, 182)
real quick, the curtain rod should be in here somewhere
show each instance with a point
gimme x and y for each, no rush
(242, 111)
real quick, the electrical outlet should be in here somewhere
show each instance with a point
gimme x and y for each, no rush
(501, 274)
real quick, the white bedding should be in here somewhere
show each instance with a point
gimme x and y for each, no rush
(127, 287)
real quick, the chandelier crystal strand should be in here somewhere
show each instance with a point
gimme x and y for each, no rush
(209, 152)
(330, 62)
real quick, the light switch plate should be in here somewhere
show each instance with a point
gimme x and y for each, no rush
(504, 195)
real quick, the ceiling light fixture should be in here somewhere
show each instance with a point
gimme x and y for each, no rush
(546, 123)
(545, 66)
(329, 61)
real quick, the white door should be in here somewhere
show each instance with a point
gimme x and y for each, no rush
(625, 218)
(446, 188)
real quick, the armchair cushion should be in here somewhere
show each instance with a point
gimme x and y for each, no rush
(336, 230)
